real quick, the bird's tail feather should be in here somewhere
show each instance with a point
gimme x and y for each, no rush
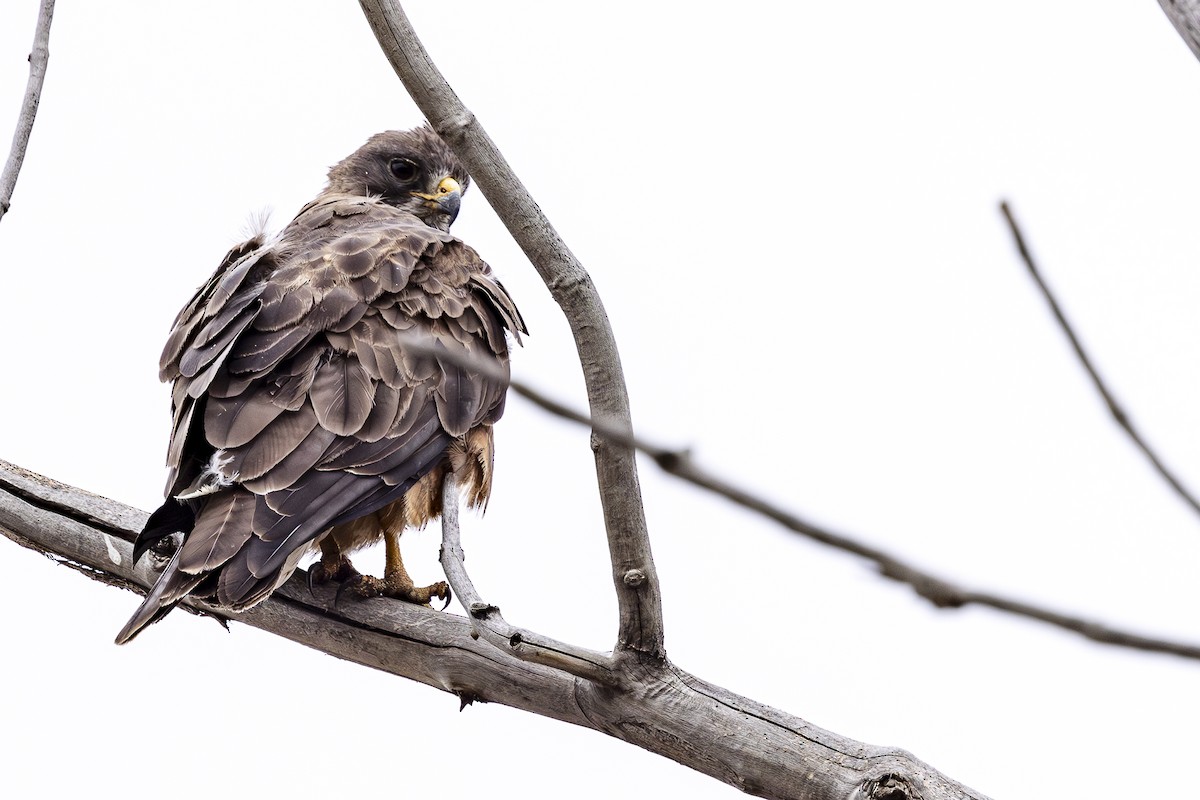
(171, 587)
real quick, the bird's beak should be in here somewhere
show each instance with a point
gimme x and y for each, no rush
(447, 199)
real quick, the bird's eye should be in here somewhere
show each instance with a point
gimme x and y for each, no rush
(404, 170)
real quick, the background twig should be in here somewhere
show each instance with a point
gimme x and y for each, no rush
(39, 57)
(941, 592)
(1114, 408)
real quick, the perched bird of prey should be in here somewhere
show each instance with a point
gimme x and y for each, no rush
(303, 422)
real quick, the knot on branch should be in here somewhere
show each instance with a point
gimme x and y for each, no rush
(1118, 414)
(887, 787)
(942, 594)
(672, 461)
(634, 578)
(483, 610)
(454, 127)
(570, 281)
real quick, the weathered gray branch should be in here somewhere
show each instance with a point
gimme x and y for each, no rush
(487, 622)
(39, 57)
(638, 599)
(657, 706)
(1185, 16)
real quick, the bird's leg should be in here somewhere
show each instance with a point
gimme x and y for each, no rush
(396, 582)
(333, 566)
(396, 575)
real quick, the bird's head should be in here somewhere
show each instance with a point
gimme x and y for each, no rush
(413, 170)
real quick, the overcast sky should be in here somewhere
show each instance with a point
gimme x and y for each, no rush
(791, 213)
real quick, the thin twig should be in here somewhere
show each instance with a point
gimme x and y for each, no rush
(492, 627)
(939, 591)
(1114, 408)
(39, 57)
(679, 463)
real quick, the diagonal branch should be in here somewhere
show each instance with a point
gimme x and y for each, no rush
(38, 59)
(939, 591)
(1114, 408)
(942, 592)
(638, 599)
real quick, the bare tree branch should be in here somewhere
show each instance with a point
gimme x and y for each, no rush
(1118, 413)
(634, 576)
(659, 707)
(487, 623)
(1185, 16)
(942, 592)
(39, 57)
(544, 247)
(939, 591)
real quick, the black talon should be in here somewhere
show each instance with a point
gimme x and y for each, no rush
(337, 597)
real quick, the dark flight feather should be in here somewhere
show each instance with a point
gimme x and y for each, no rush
(222, 528)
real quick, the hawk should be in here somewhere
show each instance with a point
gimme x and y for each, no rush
(303, 422)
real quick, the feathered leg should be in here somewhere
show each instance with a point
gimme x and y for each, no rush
(396, 582)
(333, 566)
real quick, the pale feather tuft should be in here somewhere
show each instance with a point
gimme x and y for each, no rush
(212, 479)
(258, 225)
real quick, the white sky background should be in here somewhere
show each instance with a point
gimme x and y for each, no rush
(792, 218)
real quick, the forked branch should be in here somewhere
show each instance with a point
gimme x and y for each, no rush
(489, 625)
(659, 707)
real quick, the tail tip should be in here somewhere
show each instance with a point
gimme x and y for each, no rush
(128, 632)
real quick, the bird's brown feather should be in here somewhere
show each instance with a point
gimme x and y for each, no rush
(298, 408)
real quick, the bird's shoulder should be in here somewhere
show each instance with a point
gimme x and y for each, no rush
(340, 254)
(351, 240)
